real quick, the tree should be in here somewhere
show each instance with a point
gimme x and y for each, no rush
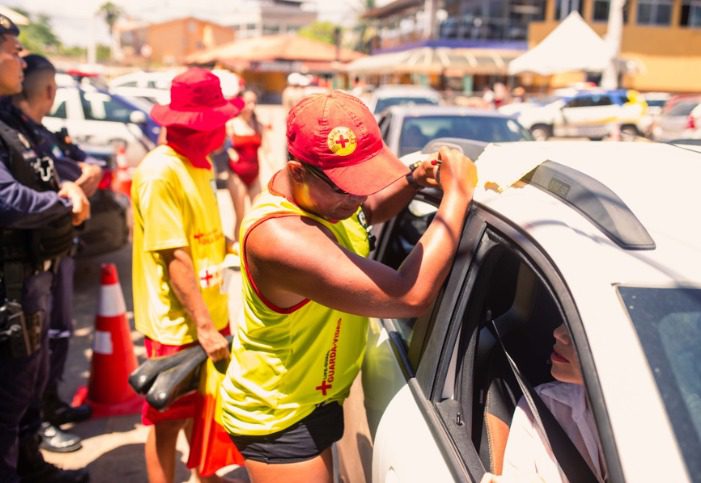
(321, 31)
(110, 13)
(38, 37)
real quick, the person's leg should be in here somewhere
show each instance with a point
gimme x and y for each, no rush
(315, 470)
(160, 450)
(238, 193)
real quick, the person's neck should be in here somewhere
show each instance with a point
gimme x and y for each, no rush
(33, 112)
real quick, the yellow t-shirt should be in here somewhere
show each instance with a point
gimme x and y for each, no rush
(286, 361)
(175, 206)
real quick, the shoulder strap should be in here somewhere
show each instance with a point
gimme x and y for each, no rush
(566, 453)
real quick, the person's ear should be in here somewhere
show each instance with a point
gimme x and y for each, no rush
(296, 170)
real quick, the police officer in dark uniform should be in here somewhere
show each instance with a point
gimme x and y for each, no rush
(37, 215)
(30, 106)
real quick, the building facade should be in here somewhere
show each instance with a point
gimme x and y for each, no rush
(270, 17)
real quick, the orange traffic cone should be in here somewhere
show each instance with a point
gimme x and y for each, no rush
(122, 180)
(109, 393)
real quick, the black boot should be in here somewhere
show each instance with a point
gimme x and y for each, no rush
(58, 412)
(32, 468)
(57, 441)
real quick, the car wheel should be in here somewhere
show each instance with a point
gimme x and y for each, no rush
(629, 133)
(540, 132)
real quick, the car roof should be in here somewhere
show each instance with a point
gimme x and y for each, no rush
(432, 110)
(404, 90)
(656, 182)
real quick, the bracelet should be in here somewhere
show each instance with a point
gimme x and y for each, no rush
(411, 181)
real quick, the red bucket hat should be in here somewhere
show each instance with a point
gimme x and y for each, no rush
(196, 102)
(336, 133)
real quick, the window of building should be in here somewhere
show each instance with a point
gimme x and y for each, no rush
(564, 7)
(601, 11)
(654, 12)
(691, 13)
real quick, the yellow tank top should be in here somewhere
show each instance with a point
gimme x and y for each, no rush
(287, 361)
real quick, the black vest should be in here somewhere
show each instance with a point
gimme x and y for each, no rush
(53, 239)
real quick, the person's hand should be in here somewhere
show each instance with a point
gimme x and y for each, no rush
(454, 171)
(80, 203)
(213, 343)
(89, 178)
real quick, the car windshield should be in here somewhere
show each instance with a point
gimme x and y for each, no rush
(668, 323)
(682, 108)
(386, 102)
(419, 130)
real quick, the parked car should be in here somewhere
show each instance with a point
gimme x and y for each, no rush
(681, 120)
(96, 117)
(154, 87)
(406, 129)
(569, 234)
(107, 229)
(393, 95)
(588, 113)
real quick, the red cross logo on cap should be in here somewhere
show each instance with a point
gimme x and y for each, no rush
(342, 141)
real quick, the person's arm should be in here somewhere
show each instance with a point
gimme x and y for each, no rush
(90, 175)
(337, 278)
(390, 201)
(24, 208)
(181, 272)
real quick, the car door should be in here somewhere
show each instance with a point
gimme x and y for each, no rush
(438, 397)
(589, 115)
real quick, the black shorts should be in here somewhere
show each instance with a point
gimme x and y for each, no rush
(302, 441)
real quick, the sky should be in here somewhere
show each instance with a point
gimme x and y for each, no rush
(73, 23)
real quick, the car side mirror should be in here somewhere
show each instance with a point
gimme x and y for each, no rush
(137, 117)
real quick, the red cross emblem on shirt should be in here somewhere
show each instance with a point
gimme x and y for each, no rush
(206, 277)
(323, 387)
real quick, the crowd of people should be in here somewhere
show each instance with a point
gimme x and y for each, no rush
(308, 287)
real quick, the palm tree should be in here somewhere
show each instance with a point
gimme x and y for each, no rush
(111, 13)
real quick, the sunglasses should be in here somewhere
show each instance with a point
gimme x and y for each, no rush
(314, 171)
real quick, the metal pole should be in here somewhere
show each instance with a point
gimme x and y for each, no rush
(614, 33)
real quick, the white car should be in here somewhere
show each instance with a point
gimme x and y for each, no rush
(96, 117)
(394, 95)
(598, 236)
(154, 87)
(593, 114)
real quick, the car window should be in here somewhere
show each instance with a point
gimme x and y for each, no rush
(127, 84)
(668, 324)
(682, 108)
(58, 109)
(405, 232)
(386, 102)
(385, 123)
(419, 130)
(100, 106)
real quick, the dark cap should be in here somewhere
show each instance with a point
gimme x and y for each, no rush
(7, 26)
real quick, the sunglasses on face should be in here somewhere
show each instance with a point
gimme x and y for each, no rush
(314, 171)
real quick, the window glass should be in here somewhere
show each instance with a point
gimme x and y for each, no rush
(564, 7)
(654, 12)
(691, 13)
(418, 131)
(100, 106)
(58, 109)
(385, 124)
(601, 11)
(682, 108)
(668, 324)
(406, 231)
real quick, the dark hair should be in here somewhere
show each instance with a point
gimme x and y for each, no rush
(37, 66)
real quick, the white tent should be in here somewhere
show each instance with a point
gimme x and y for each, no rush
(572, 46)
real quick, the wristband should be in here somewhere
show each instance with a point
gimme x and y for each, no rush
(411, 181)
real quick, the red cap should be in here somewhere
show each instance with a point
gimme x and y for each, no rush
(196, 102)
(336, 132)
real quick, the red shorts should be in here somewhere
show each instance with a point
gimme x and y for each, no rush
(184, 407)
